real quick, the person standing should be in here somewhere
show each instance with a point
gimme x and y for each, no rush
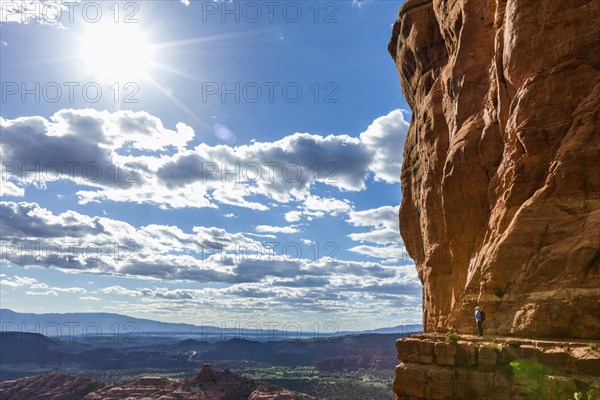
(479, 320)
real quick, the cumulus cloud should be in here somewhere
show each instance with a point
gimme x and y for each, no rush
(90, 298)
(383, 237)
(383, 222)
(119, 290)
(33, 235)
(10, 189)
(283, 170)
(275, 229)
(385, 252)
(156, 165)
(37, 288)
(44, 293)
(387, 135)
(127, 156)
(293, 216)
(315, 206)
(276, 296)
(19, 281)
(87, 147)
(281, 294)
(330, 206)
(277, 276)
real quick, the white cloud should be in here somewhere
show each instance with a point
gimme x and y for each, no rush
(383, 222)
(360, 3)
(8, 188)
(275, 229)
(316, 207)
(118, 290)
(37, 288)
(293, 216)
(387, 135)
(117, 247)
(328, 205)
(204, 255)
(95, 150)
(70, 290)
(19, 281)
(384, 252)
(157, 293)
(45, 293)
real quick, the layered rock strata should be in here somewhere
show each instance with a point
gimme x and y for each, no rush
(501, 169)
(433, 369)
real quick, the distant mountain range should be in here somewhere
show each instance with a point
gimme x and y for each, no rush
(91, 326)
(308, 365)
(25, 353)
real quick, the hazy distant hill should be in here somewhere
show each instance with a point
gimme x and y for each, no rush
(408, 328)
(304, 365)
(92, 325)
(23, 347)
(26, 347)
(22, 353)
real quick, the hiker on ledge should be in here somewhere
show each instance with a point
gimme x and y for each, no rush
(479, 318)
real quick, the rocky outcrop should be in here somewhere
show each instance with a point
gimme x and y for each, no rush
(207, 385)
(53, 386)
(206, 374)
(508, 369)
(501, 170)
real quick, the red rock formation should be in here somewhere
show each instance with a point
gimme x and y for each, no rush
(501, 170)
(51, 386)
(223, 385)
(479, 369)
(206, 374)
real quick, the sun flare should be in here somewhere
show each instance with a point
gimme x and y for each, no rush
(117, 52)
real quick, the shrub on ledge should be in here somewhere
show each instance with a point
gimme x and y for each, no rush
(452, 337)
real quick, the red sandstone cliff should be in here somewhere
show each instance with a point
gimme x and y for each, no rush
(501, 170)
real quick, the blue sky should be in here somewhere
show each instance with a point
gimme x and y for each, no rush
(204, 161)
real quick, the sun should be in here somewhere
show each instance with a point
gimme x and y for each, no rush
(117, 52)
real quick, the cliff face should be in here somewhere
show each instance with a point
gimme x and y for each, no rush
(512, 369)
(501, 171)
